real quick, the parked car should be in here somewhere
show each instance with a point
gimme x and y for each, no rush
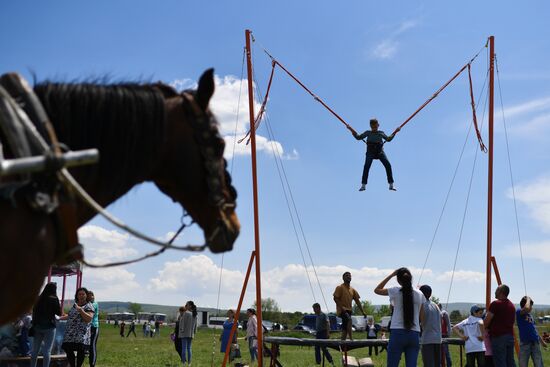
(268, 325)
(309, 321)
(304, 328)
(359, 323)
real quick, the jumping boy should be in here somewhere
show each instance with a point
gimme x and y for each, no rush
(375, 150)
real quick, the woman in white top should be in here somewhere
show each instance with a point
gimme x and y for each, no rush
(252, 333)
(406, 318)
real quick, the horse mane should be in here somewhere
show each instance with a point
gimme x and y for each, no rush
(124, 121)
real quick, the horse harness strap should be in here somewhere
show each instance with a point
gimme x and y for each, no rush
(41, 191)
(205, 137)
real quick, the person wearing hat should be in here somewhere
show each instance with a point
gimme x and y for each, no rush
(529, 338)
(471, 330)
(430, 339)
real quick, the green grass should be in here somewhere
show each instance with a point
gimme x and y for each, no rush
(114, 351)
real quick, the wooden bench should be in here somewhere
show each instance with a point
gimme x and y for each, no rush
(56, 360)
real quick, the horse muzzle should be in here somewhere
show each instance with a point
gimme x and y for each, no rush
(223, 237)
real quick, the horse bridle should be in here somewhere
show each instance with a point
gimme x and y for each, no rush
(211, 145)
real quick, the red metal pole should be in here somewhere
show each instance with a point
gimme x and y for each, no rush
(490, 171)
(50, 274)
(238, 310)
(255, 197)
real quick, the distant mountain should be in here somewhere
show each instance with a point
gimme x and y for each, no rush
(171, 311)
(464, 307)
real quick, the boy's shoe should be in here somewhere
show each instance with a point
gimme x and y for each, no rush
(362, 188)
(392, 188)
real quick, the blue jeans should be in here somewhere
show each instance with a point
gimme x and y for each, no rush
(253, 349)
(446, 354)
(503, 351)
(186, 349)
(403, 341)
(369, 157)
(530, 350)
(42, 335)
(318, 349)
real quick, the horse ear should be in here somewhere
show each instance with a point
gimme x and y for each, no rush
(205, 89)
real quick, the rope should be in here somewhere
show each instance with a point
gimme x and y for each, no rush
(474, 117)
(231, 173)
(274, 61)
(275, 152)
(283, 176)
(258, 118)
(511, 179)
(451, 186)
(434, 96)
(237, 118)
(462, 225)
(467, 200)
(138, 259)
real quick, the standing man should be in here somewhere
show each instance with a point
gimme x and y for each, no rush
(122, 327)
(529, 338)
(322, 327)
(500, 322)
(431, 330)
(157, 328)
(94, 330)
(132, 329)
(343, 295)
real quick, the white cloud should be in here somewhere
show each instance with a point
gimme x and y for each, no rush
(230, 105)
(103, 245)
(183, 84)
(528, 107)
(197, 276)
(468, 276)
(385, 49)
(388, 47)
(532, 250)
(528, 119)
(536, 196)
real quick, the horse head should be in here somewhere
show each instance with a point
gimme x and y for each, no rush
(193, 170)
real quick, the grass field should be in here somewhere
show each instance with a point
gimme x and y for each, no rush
(159, 351)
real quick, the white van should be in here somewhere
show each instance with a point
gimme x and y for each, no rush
(384, 322)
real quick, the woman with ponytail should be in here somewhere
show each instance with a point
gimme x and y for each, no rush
(187, 329)
(406, 318)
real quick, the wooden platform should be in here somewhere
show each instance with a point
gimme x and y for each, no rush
(341, 345)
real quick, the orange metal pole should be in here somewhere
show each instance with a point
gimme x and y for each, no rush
(495, 267)
(255, 196)
(238, 310)
(490, 171)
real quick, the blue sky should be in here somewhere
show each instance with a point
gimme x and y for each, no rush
(365, 59)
